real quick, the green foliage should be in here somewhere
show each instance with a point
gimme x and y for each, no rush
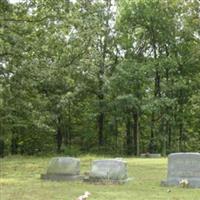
(73, 151)
(104, 76)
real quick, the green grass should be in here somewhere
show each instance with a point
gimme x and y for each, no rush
(20, 180)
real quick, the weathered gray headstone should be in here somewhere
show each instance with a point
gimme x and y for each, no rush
(113, 170)
(150, 155)
(63, 168)
(183, 166)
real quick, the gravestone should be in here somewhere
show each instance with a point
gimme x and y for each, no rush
(150, 155)
(183, 166)
(109, 170)
(63, 168)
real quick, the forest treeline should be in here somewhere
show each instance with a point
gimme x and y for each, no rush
(101, 76)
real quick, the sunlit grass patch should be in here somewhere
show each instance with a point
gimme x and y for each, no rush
(7, 182)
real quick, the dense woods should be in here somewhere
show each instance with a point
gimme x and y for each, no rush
(100, 76)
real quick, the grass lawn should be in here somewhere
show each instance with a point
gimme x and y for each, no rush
(20, 180)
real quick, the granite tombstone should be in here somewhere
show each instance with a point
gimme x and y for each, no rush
(108, 170)
(183, 167)
(63, 168)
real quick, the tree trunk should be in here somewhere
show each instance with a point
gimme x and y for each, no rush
(163, 130)
(14, 144)
(59, 136)
(169, 138)
(181, 102)
(128, 137)
(167, 109)
(157, 93)
(181, 137)
(116, 133)
(100, 126)
(136, 134)
(101, 116)
(151, 148)
(67, 139)
(2, 147)
(157, 85)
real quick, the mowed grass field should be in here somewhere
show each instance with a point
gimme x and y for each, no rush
(20, 180)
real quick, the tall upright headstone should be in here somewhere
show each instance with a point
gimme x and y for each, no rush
(63, 168)
(183, 166)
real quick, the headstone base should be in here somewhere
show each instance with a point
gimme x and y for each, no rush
(61, 177)
(104, 181)
(192, 182)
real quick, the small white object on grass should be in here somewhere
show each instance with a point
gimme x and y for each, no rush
(85, 196)
(184, 182)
